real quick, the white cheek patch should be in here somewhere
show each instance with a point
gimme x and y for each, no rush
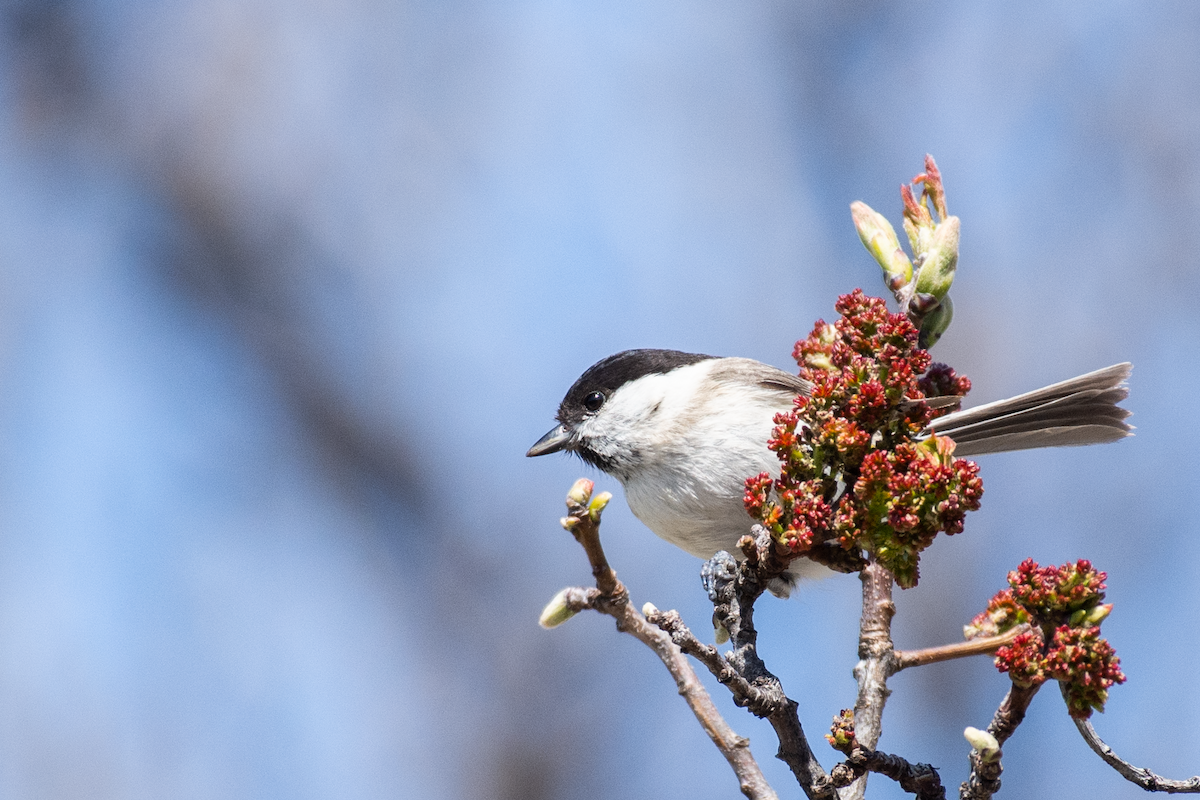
(636, 418)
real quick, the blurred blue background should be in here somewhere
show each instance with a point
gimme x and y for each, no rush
(287, 289)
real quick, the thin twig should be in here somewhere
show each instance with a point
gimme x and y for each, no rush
(1139, 775)
(745, 694)
(984, 645)
(1011, 712)
(920, 779)
(795, 752)
(984, 780)
(612, 598)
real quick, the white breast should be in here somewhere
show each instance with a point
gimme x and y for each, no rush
(692, 442)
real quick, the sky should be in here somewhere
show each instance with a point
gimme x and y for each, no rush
(287, 290)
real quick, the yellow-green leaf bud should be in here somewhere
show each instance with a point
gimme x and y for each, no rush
(879, 237)
(983, 743)
(941, 259)
(557, 611)
(598, 504)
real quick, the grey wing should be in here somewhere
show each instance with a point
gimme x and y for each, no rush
(1079, 411)
(749, 371)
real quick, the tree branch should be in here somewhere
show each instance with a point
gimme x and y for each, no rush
(984, 645)
(1139, 775)
(733, 589)
(920, 779)
(760, 702)
(877, 661)
(612, 598)
(984, 780)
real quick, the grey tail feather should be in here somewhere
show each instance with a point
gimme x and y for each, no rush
(1080, 411)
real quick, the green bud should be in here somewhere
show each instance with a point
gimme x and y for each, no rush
(941, 258)
(581, 492)
(598, 504)
(1098, 614)
(983, 743)
(879, 237)
(936, 322)
(569, 523)
(557, 611)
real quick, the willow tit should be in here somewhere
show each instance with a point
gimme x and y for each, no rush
(683, 431)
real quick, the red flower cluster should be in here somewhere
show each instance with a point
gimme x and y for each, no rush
(1050, 592)
(1086, 664)
(854, 467)
(1024, 659)
(1063, 604)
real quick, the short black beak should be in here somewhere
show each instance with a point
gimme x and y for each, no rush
(557, 439)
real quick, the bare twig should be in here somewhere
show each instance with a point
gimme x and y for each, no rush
(920, 779)
(1139, 775)
(984, 645)
(761, 702)
(1011, 712)
(877, 661)
(612, 598)
(733, 589)
(795, 752)
(984, 780)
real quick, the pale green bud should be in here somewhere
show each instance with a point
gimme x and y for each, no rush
(818, 361)
(649, 609)
(581, 492)
(941, 258)
(1099, 614)
(1090, 616)
(598, 504)
(918, 237)
(557, 611)
(918, 223)
(983, 743)
(879, 237)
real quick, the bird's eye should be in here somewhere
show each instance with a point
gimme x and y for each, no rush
(593, 401)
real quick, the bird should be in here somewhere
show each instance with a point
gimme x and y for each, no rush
(682, 431)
